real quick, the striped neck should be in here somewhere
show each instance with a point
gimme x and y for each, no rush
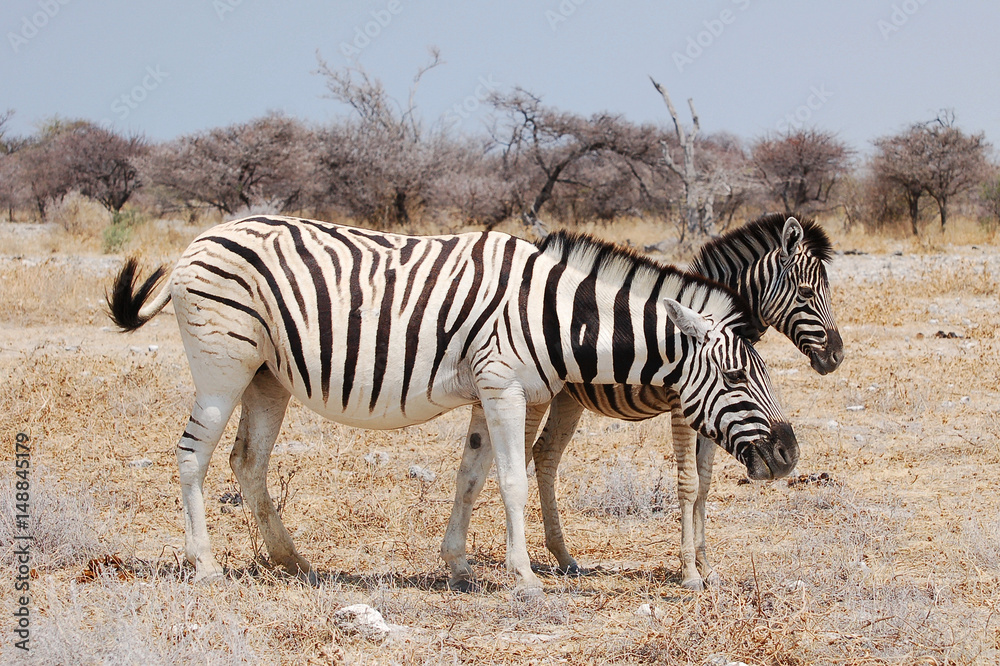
(604, 318)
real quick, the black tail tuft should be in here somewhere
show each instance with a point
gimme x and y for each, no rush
(125, 300)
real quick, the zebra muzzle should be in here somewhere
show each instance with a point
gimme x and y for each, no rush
(774, 456)
(827, 358)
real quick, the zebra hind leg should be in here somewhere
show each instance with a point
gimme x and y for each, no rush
(194, 451)
(564, 415)
(264, 404)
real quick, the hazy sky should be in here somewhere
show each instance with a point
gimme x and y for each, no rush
(860, 68)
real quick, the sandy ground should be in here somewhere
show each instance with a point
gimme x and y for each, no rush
(891, 557)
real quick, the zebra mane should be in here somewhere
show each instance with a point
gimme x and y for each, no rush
(762, 236)
(611, 263)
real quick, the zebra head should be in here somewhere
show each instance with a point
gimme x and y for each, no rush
(797, 299)
(727, 396)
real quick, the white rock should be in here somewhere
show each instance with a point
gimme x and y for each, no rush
(140, 463)
(418, 472)
(363, 620)
(965, 400)
(722, 660)
(832, 425)
(855, 408)
(646, 610)
(136, 350)
(377, 458)
(796, 585)
(153, 348)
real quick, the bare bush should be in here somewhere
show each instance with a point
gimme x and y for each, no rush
(621, 490)
(104, 164)
(380, 164)
(65, 523)
(934, 158)
(260, 162)
(542, 149)
(800, 168)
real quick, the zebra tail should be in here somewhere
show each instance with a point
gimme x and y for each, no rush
(126, 300)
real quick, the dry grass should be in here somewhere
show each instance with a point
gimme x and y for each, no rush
(891, 559)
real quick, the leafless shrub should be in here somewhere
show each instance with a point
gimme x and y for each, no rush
(620, 490)
(263, 162)
(378, 166)
(65, 522)
(800, 168)
(104, 164)
(935, 158)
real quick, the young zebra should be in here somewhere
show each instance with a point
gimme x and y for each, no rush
(381, 331)
(778, 265)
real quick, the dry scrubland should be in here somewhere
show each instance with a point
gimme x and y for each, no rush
(891, 558)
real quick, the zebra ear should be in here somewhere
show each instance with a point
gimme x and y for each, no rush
(791, 238)
(689, 322)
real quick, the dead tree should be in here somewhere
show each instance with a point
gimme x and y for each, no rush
(698, 202)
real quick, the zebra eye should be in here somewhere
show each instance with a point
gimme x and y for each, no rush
(735, 376)
(806, 292)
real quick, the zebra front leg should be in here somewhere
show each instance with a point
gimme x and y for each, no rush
(685, 439)
(477, 456)
(505, 411)
(706, 459)
(264, 404)
(564, 415)
(209, 417)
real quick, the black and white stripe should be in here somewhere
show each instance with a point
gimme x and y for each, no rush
(383, 330)
(779, 266)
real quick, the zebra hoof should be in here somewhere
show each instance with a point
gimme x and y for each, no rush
(693, 584)
(308, 577)
(712, 579)
(463, 585)
(528, 593)
(210, 578)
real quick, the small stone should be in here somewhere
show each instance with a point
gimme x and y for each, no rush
(965, 400)
(362, 620)
(947, 404)
(855, 408)
(153, 348)
(647, 610)
(139, 463)
(859, 438)
(832, 425)
(376, 458)
(418, 472)
(135, 350)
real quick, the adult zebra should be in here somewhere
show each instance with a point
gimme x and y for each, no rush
(382, 330)
(778, 266)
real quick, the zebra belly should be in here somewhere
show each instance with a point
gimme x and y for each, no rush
(359, 406)
(623, 401)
